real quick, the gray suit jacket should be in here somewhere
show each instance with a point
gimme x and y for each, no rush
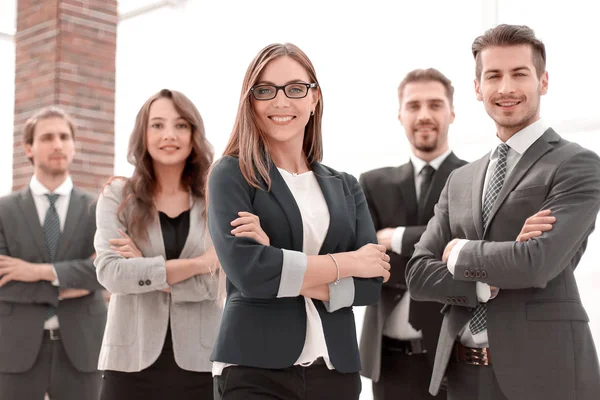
(23, 305)
(138, 312)
(540, 341)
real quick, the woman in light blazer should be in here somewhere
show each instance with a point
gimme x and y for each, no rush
(296, 241)
(154, 255)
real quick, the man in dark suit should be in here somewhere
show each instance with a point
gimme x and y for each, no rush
(52, 313)
(399, 336)
(514, 326)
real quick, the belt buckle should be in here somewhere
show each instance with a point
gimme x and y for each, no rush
(53, 335)
(475, 356)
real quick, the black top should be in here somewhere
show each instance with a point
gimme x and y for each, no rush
(175, 231)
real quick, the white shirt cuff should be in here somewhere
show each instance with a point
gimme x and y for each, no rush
(397, 239)
(483, 292)
(453, 257)
(55, 281)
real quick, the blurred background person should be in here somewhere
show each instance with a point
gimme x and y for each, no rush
(155, 257)
(52, 313)
(399, 336)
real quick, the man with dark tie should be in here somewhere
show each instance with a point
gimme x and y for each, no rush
(514, 326)
(52, 313)
(399, 336)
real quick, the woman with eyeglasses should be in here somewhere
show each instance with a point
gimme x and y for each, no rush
(155, 257)
(296, 241)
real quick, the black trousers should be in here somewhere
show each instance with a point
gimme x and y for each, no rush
(403, 376)
(472, 382)
(52, 373)
(316, 382)
(162, 380)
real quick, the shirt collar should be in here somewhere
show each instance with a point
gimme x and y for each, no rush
(522, 140)
(418, 164)
(38, 189)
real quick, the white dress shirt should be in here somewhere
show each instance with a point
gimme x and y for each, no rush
(396, 325)
(315, 224)
(42, 204)
(518, 145)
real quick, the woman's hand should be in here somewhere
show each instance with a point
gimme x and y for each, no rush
(370, 261)
(248, 225)
(125, 246)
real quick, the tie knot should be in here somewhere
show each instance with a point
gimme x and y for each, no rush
(52, 197)
(503, 150)
(427, 170)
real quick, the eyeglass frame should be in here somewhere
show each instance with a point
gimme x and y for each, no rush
(282, 88)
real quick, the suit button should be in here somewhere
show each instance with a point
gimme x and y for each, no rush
(463, 299)
(397, 297)
(141, 283)
(484, 274)
(477, 274)
(148, 282)
(448, 300)
(467, 275)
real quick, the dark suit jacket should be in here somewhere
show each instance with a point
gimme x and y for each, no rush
(392, 200)
(539, 337)
(23, 305)
(257, 328)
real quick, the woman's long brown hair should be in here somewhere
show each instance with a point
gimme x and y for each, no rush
(247, 141)
(140, 189)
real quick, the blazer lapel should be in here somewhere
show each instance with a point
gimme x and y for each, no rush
(437, 184)
(333, 191)
(74, 214)
(477, 192)
(406, 179)
(286, 200)
(528, 159)
(32, 220)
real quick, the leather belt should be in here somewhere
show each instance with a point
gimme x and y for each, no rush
(472, 355)
(52, 334)
(408, 347)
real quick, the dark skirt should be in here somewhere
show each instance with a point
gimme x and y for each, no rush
(161, 381)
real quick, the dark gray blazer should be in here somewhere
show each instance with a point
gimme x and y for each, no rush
(262, 326)
(538, 330)
(23, 305)
(392, 200)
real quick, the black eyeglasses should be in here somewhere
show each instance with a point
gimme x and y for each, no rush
(297, 90)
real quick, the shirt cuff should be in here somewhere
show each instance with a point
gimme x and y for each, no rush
(483, 292)
(453, 257)
(340, 295)
(397, 239)
(292, 273)
(55, 282)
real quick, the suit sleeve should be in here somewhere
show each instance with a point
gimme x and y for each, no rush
(574, 200)
(427, 277)
(257, 271)
(196, 288)
(81, 274)
(41, 292)
(120, 275)
(366, 290)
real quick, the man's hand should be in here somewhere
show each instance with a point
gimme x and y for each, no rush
(536, 225)
(65, 294)
(15, 269)
(448, 249)
(384, 237)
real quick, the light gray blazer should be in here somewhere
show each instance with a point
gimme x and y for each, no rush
(138, 311)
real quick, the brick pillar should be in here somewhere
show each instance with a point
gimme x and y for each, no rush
(65, 56)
